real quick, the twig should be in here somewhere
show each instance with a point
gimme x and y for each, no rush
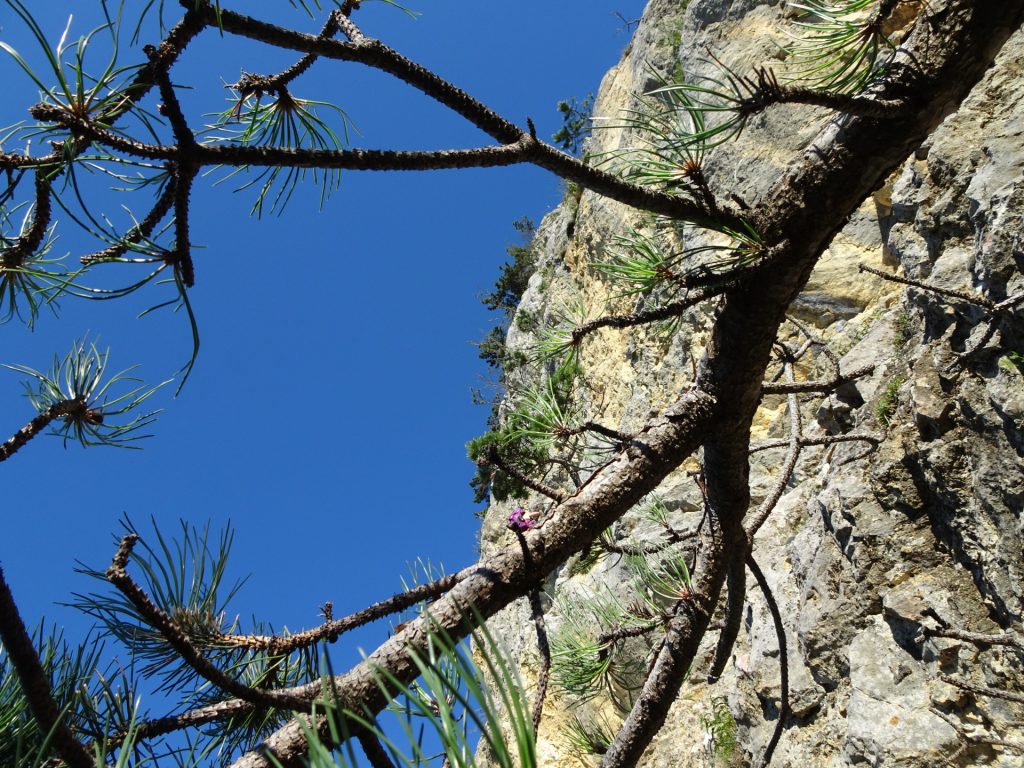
(971, 298)
(983, 690)
(494, 457)
(331, 629)
(780, 634)
(789, 466)
(544, 647)
(1010, 639)
(806, 442)
(143, 229)
(817, 386)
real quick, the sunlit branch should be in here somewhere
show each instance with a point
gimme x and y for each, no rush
(983, 639)
(806, 442)
(35, 682)
(254, 85)
(983, 690)
(161, 726)
(667, 440)
(330, 630)
(971, 298)
(816, 386)
(662, 686)
(376, 54)
(973, 738)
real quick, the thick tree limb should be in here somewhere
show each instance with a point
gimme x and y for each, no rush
(495, 582)
(35, 682)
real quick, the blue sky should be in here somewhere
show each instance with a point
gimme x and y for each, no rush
(327, 413)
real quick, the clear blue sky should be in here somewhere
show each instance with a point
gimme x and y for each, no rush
(327, 414)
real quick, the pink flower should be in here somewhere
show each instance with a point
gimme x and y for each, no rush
(517, 521)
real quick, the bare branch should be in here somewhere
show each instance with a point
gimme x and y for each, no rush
(1011, 639)
(375, 54)
(494, 457)
(788, 467)
(780, 634)
(971, 298)
(544, 647)
(817, 386)
(332, 629)
(983, 690)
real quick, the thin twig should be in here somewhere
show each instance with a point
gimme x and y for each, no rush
(780, 634)
(971, 298)
(983, 690)
(494, 457)
(789, 466)
(330, 630)
(544, 647)
(1010, 639)
(817, 386)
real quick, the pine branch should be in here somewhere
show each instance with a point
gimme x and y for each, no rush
(332, 629)
(374, 53)
(493, 457)
(35, 682)
(63, 409)
(176, 638)
(143, 229)
(26, 244)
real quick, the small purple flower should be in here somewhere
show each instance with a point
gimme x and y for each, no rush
(517, 521)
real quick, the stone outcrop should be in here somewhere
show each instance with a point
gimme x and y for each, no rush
(870, 553)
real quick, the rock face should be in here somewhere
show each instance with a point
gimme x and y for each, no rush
(873, 554)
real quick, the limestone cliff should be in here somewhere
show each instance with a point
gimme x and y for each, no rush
(871, 553)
